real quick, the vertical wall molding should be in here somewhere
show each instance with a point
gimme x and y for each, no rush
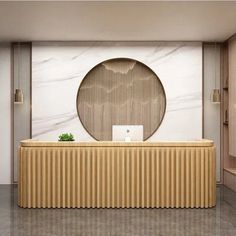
(232, 96)
(211, 114)
(5, 108)
(21, 113)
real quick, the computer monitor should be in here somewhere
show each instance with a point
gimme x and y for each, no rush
(127, 132)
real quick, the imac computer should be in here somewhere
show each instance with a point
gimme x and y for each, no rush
(127, 133)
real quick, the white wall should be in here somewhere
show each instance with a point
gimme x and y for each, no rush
(5, 114)
(58, 69)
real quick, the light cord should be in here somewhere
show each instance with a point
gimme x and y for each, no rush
(215, 65)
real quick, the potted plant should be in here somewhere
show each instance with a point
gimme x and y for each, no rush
(66, 137)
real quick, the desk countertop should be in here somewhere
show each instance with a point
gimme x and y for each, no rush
(197, 143)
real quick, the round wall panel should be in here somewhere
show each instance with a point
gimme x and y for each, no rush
(120, 91)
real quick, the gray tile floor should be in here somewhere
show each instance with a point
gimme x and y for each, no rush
(15, 221)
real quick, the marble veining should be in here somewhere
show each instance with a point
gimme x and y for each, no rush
(59, 68)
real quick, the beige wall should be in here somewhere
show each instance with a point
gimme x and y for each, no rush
(21, 116)
(5, 114)
(232, 97)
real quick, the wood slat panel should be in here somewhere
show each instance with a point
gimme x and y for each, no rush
(121, 177)
(120, 91)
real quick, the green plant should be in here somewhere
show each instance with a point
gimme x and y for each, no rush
(66, 137)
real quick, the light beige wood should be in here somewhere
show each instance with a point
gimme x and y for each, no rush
(230, 178)
(120, 92)
(117, 175)
(227, 160)
(231, 170)
(197, 143)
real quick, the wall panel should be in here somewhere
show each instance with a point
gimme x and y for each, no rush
(58, 69)
(22, 112)
(232, 97)
(212, 111)
(5, 113)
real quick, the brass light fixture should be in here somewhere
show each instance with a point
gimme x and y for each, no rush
(215, 96)
(19, 97)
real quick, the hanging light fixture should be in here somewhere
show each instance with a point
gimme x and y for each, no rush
(19, 98)
(215, 96)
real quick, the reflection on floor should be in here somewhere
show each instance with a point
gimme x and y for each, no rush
(15, 221)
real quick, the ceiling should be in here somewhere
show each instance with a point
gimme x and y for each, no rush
(72, 21)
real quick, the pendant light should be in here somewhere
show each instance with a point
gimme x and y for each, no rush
(215, 96)
(19, 98)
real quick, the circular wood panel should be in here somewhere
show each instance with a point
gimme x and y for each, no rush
(120, 91)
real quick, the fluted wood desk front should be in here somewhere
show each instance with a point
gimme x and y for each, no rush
(117, 175)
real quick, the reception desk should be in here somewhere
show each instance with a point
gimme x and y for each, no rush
(117, 174)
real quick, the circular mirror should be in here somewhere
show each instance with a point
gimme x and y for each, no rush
(120, 91)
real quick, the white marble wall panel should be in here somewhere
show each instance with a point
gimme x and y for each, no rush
(59, 68)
